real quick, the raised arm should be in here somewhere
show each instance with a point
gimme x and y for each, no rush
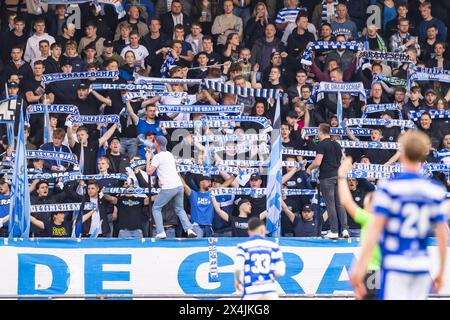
(288, 212)
(218, 210)
(187, 189)
(70, 138)
(133, 115)
(107, 135)
(37, 223)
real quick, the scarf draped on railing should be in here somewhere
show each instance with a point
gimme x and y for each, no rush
(377, 167)
(213, 274)
(127, 86)
(62, 207)
(381, 122)
(368, 145)
(361, 174)
(242, 149)
(256, 163)
(52, 77)
(324, 45)
(427, 74)
(359, 132)
(435, 114)
(235, 108)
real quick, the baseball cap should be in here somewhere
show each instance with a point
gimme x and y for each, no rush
(107, 43)
(430, 91)
(274, 54)
(114, 138)
(255, 176)
(307, 207)
(242, 201)
(162, 142)
(13, 84)
(83, 85)
(218, 179)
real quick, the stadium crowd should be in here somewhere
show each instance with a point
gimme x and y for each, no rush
(246, 43)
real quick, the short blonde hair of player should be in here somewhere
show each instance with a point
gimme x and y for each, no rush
(414, 145)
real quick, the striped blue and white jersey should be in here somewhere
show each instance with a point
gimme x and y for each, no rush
(261, 261)
(288, 15)
(412, 205)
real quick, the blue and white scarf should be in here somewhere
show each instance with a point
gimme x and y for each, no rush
(264, 149)
(103, 119)
(325, 15)
(391, 81)
(169, 62)
(385, 56)
(259, 192)
(260, 120)
(359, 132)
(193, 124)
(427, 74)
(235, 108)
(377, 167)
(142, 80)
(245, 92)
(328, 45)
(381, 122)
(300, 153)
(114, 176)
(52, 77)
(62, 207)
(341, 87)
(132, 96)
(232, 137)
(213, 275)
(435, 114)
(368, 145)
(127, 86)
(374, 108)
(361, 174)
(50, 155)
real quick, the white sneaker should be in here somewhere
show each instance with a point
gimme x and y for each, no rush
(345, 234)
(332, 236)
(161, 235)
(191, 234)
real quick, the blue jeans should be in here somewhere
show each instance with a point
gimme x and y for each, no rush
(176, 196)
(128, 146)
(125, 233)
(202, 231)
(170, 232)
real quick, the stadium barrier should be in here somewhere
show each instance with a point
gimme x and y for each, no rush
(172, 268)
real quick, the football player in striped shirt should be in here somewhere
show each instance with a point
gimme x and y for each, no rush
(406, 209)
(258, 262)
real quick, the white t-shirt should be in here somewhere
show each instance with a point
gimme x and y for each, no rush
(164, 162)
(140, 52)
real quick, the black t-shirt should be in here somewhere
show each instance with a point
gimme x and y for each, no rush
(258, 205)
(378, 156)
(34, 86)
(90, 156)
(116, 161)
(331, 161)
(358, 195)
(53, 230)
(390, 134)
(295, 206)
(129, 210)
(239, 225)
(303, 228)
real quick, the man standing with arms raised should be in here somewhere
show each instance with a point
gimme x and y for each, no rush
(328, 160)
(171, 187)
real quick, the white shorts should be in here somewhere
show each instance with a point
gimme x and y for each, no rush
(404, 286)
(262, 296)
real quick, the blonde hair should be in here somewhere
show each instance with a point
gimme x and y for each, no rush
(266, 16)
(305, 108)
(415, 145)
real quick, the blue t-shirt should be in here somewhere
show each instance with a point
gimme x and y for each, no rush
(4, 207)
(142, 128)
(202, 209)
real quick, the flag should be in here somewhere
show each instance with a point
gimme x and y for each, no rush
(8, 110)
(273, 220)
(47, 137)
(78, 218)
(339, 108)
(19, 210)
(167, 65)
